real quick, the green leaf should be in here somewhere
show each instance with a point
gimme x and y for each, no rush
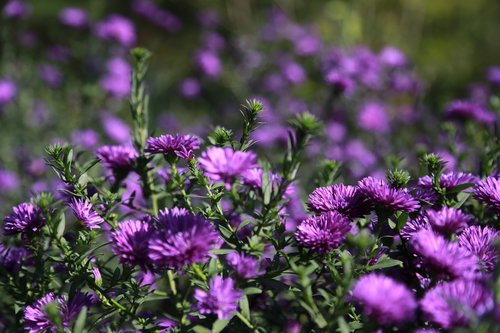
(221, 251)
(402, 218)
(201, 329)
(80, 321)
(385, 262)
(219, 325)
(245, 307)
(343, 327)
(462, 198)
(252, 291)
(61, 225)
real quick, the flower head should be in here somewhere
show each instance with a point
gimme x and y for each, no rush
(341, 198)
(378, 192)
(384, 299)
(443, 257)
(225, 164)
(12, 257)
(83, 210)
(414, 225)
(481, 242)
(373, 117)
(447, 220)
(8, 91)
(488, 192)
(180, 145)
(119, 159)
(220, 299)
(130, 242)
(253, 178)
(246, 267)
(117, 28)
(448, 180)
(451, 303)
(464, 110)
(324, 232)
(116, 80)
(25, 218)
(182, 239)
(74, 17)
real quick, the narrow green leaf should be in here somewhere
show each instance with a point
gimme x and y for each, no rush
(80, 321)
(219, 325)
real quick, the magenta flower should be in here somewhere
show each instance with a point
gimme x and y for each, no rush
(220, 299)
(74, 17)
(209, 63)
(13, 257)
(84, 212)
(119, 159)
(464, 110)
(25, 219)
(182, 239)
(247, 267)
(130, 242)
(447, 220)
(414, 225)
(384, 299)
(450, 304)
(481, 242)
(181, 146)
(117, 28)
(443, 257)
(488, 191)
(346, 200)
(374, 118)
(225, 164)
(448, 180)
(117, 79)
(323, 233)
(379, 193)
(8, 92)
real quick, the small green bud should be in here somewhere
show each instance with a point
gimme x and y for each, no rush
(398, 178)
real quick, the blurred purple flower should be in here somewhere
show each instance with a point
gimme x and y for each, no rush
(373, 117)
(190, 88)
(384, 300)
(487, 191)
(179, 145)
(220, 299)
(225, 164)
(450, 304)
(130, 242)
(182, 239)
(115, 128)
(84, 212)
(12, 257)
(379, 193)
(85, 138)
(447, 220)
(481, 242)
(464, 110)
(50, 75)
(338, 197)
(58, 53)
(392, 57)
(323, 233)
(293, 72)
(74, 17)
(17, 9)
(157, 15)
(117, 80)
(26, 218)
(247, 267)
(8, 180)
(340, 82)
(117, 28)
(119, 159)
(8, 91)
(493, 75)
(443, 257)
(209, 63)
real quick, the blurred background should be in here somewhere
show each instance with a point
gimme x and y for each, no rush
(379, 73)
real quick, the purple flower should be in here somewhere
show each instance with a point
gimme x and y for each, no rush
(16, 9)
(488, 191)
(443, 257)
(323, 233)
(8, 91)
(379, 193)
(157, 15)
(447, 220)
(448, 180)
(50, 75)
(12, 257)
(220, 299)
(117, 80)
(8, 180)
(86, 138)
(225, 164)
(180, 145)
(493, 75)
(464, 110)
(167, 325)
(117, 28)
(190, 88)
(253, 178)
(246, 267)
(182, 239)
(414, 225)
(481, 242)
(116, 129)
(209, 63)
(392, 57)
(341, 198)
(384, 299)
(84, 212)
(119, 159)
(74, 17)
(130, 242)
(26, 218)
(340, 82)
(450, 304)
(373, 117)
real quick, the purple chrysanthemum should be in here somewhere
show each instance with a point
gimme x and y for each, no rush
(246, 267)
(447, 220)
(130, 242)
(324, 232)
(384, 299)
(448, 180)
(341, 198)
(84, 212)
(463, 110)
(481, 242)
(220, 299)
(488, 191)
(117, 28)
(378, 192)
(36, 319)
(450, 304)
(413, 226)
(180, 145)
(443, 257)
(26, 218)
(182, 239)
(225, 164)
(119, 159)
(74, 17)
(12, 257)
(116, 80)
(253, 178)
